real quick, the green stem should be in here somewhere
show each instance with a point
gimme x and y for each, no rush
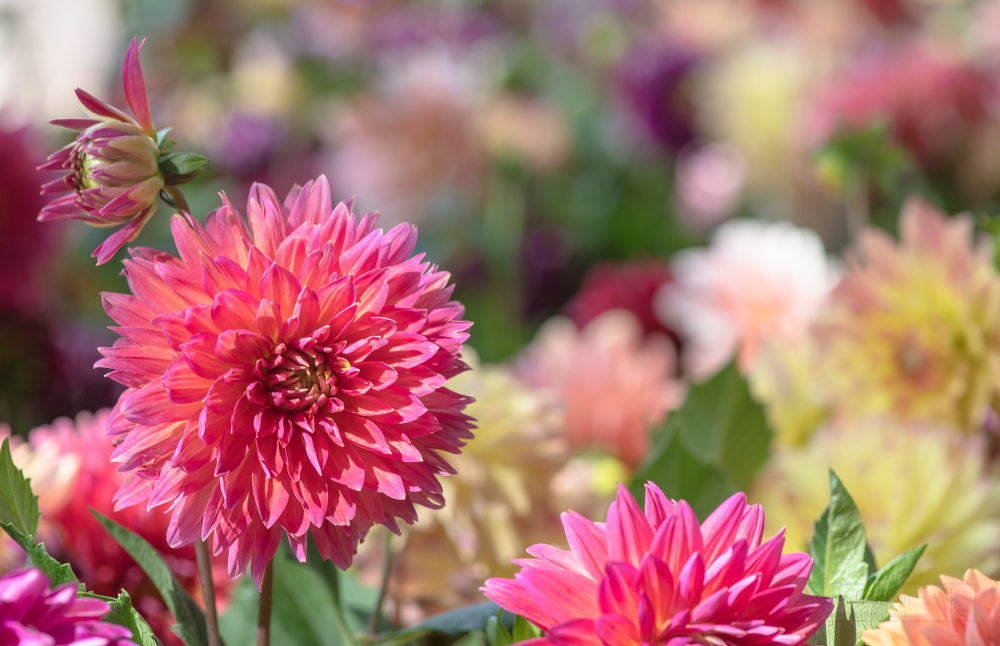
(264, 609)
(208, 592)
(178, 197)
(384, 588)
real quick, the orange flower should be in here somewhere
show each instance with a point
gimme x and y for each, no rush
(965, 612)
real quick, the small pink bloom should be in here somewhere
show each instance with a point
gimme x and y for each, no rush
(659, 578)
(33, 615)
(285, 374)
(114, 175)
(614, 383)
(758, 282)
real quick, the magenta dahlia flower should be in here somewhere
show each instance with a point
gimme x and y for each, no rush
(114, 174)
(658, 578)
(33, 615)
(285, 375)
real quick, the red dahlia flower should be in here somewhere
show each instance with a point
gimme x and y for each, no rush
(658, 578)
(114, 175)
(285, 376)
(33, 615)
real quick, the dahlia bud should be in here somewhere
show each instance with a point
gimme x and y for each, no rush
(114, 165)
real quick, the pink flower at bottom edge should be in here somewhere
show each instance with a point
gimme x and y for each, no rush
(659, 578)
(33, 615)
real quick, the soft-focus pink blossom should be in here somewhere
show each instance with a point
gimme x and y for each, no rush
(757, 282)
(69, 463)
(114, 175)
(932, 102)
(614, 384)
(709, 184)
(31, 614)
(285, 374)
(659, 578)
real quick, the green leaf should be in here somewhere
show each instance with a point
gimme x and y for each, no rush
(711, 447)
(38, 556)
(190, 619)
(18, 506)
(123, 614)
(838, 547)
(884, 584)
(178, 168)
(496, 632)
(848, 621)
(460, 620)
(161, 136)
(524, 630)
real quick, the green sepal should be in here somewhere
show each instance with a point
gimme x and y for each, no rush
(179, 168)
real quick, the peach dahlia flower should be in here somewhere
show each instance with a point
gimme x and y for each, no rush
(285, 374)
(965, 613)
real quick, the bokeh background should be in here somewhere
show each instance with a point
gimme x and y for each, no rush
(557, 156)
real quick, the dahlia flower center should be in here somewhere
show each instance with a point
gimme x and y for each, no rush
(300, 377)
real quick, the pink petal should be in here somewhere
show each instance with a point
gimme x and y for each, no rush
(135, 87)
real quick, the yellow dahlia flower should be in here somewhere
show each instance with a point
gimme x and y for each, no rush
(913, 329)
(783, 378)
(499, 502)
(913, 484)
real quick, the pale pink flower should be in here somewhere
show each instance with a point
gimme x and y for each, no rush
(31, 614)
(659, 578)
(757, 282)
(614, 384)
(285, 375)
(114, 174)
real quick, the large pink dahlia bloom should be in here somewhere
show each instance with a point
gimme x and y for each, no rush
(33, 615)
(658, 578)
(285, 374)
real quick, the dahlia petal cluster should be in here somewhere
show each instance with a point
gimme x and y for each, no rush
(659, 578)
(757, 282)
(32, 614)
(965, 612)
(913, 483)
(285, 373)
(913, 329)
(113, 164)
(614, 383)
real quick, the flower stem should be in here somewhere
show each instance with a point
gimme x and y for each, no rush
(264, 609)
(208, 592)
(383, 589)
(178, 197)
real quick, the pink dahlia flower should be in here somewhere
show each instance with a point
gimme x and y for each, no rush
(285, 375)
(69, 463)
(614, 384)
(114, 175)
(658, 578)
(32, 614)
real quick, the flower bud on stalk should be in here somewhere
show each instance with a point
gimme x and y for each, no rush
(114, 165)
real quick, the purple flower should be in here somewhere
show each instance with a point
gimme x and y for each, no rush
(33, 615)
(655, 82)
